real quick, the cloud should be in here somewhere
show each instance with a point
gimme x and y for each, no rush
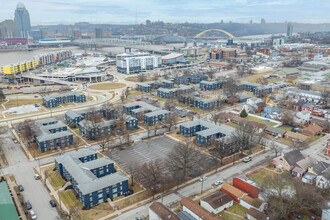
(126, 11)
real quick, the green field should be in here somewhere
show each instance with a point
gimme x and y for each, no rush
(251, 118)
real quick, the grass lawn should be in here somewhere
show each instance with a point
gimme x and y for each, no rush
(69, 199)
(107, 86)
(232, 124)
(259, 175)
(286, 127)
(238, 209)
(19, 102)
(228, 216)
(315, 138)
(55, 179)
(249, 117)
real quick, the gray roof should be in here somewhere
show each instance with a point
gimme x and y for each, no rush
(155, 113)
(243, 95)
(52, 136)
(275, 130)
(218, 199)
(53, 126)
(102, 124)
(167, 90)
(185, 216)
(81, 172)
(45, 121)
(320, 166)
(50, 97)
(293, 157)
(103, 161)
(215, 99)
(101, 183)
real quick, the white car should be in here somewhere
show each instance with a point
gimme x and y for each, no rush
(247, 159)
(33, 214)
(219, 182)
(36, 176)
(203, 179)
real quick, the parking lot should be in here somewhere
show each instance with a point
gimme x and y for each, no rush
(158, 148)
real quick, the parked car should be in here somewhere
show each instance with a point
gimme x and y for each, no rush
(15, 141)
(21, 188)
(33, 214)
(219, 182)
(28, 205)
(203, 179)
(36, 177)
(296, 215)
(137, 218)
(247, 159)
(52, 203)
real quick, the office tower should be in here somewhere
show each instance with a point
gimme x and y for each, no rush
(22, 21)
(98, 32)
(289, 30)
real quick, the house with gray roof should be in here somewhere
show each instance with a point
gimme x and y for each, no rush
(288, 160)
(51, 134)
(93, 131)
(94, 179)
(275, 131)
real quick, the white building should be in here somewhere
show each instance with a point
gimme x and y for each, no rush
(217, 202)
(136, 62)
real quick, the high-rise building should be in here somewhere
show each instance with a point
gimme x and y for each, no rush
(289, 30)
(22, 21)
(98, 33)
(263, 21)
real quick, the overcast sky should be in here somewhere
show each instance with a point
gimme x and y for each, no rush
(176, 11)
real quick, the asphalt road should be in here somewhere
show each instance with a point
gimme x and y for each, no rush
(195, 188)
(22, 169)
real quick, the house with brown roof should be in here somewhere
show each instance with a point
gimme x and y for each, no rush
(294, 136)
(157, 211)
(196, 211)
(288, 160)
(249, 202)
(235, 193)
(253, 214)
(312, 130)
(217, 202)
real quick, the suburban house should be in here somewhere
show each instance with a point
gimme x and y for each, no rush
(302, 117)
(294, 136)
(254, 105)
(301, 166)
(94, 179)
(319, 122)
(277, 132)
(52, 134)
(302, 105)
(323, 180)
(196, 211)
(242, 121)
(270, 112)
(247, 185)
(52, 101)
(271, 102)
(288, 160)
(254, 214)
(312, 130)
(314, 170)
(157, 211)
(205, 131)
(242, 197)
(217, 202)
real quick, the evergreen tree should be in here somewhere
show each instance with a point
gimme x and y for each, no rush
(243, 114)
(2, 96)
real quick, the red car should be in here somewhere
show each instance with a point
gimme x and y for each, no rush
(138, 100)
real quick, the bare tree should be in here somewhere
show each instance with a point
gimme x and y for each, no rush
(126, 93)
(104, 142)
(155, 76)
(28, 130)
(230, 87)
(109, 110)
(242, 136)
(219, 151)
(151, 175)
(169, 104)
(276, 148)
(171, 121)
(299, 144)
(76, 142)
(141, 77)
(210, 74)
(287, 118)
(215, 117)
(182, 159)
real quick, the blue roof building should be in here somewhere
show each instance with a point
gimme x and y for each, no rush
(94, 180)
(52, 101)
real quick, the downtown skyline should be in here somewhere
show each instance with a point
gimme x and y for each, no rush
(179, 11)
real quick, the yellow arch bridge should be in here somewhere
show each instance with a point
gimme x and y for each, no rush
(219, 30)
